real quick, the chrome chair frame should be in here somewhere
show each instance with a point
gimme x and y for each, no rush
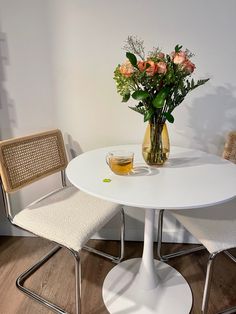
(165, 258)
(30, 271)
(209, 271)
(207, 285)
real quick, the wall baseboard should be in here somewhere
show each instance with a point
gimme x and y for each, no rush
(6, 230)
(174, 236)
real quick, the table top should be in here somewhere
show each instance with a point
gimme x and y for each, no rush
(189, 179)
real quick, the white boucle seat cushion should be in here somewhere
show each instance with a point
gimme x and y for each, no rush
(214, 226)
(67, 216)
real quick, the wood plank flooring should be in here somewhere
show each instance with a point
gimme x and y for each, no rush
(55, 280)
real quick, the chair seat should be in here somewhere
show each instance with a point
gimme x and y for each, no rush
(67, 216)
(213, 226)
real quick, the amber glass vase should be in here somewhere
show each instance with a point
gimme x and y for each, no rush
(156, 144)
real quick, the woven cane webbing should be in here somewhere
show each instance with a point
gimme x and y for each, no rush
(230, 147)
(27, 159)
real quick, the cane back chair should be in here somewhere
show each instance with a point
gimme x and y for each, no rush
(214, 227)
(65, 216)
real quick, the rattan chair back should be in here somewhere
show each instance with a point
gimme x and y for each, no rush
(27, 159)
(230, 147)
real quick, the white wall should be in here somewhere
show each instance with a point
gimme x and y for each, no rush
(87, 40)
(25, 81)
(62, 55)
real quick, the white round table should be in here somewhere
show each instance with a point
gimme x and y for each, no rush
(189, 179)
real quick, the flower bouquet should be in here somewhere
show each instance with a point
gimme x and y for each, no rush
(159, 82)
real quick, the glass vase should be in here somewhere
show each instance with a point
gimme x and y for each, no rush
(156, 144)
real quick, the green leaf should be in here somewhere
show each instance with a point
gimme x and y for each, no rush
(132, 58)
(159, 100)
(140, 104)
(188, 84)
(201, 82)
(168, 58)
(139, 110)
(169, 117)
(126, 97)
(140, 95)
(148, 114)
(192, 84)
(178, 48)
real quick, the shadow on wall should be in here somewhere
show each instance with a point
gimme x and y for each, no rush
(7, 122)
(72, 147)
(7, 107)
(211, 118)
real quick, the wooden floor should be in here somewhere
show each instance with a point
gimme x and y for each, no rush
(56, 279)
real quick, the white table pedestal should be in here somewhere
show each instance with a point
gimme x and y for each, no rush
(146, 286)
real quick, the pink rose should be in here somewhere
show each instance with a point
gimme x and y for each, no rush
(178, 57)
(152, 69)
(188, 66)
(126, 69)
(142, 65)
(161, 67)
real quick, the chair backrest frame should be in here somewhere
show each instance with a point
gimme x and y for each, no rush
(230, 147)
(27, 159)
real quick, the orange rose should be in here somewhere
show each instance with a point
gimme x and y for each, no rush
(152, 69)
(126, 69)
(161, 67)
(188, 66)
(178, 57)
(142, 65)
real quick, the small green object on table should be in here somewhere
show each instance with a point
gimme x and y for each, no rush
(106, 180)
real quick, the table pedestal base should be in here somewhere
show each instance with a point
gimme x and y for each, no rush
(123, 292)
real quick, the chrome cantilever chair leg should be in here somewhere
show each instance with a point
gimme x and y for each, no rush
(114, 259)
(207, 285)
(55, 308)
(26, 274)
(233, 258)
(159, 243)
(77, 282)
(232, 310)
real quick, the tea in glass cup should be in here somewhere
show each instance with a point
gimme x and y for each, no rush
(120, 162)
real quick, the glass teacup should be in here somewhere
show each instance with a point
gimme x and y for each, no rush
(120, 161)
